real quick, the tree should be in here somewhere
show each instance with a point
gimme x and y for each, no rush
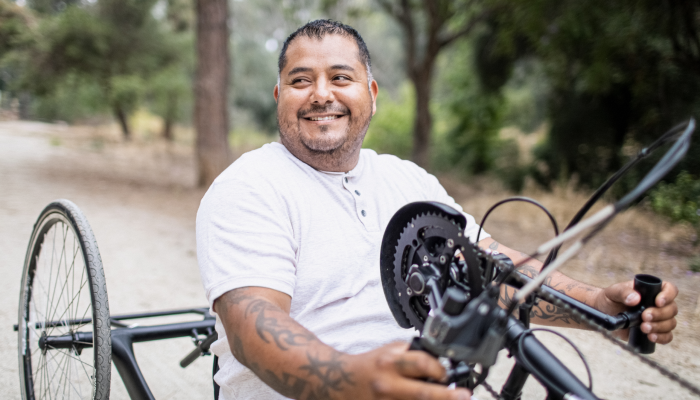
(211, 89)
(430, 26)
(114, 44)
(620, 74)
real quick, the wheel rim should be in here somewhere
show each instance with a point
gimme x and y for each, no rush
(57, 301)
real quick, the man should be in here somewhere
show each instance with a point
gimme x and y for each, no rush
(288, 242)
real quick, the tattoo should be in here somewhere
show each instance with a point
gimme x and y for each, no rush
(493, 246)
(542, 309)
(330, 374)
(283, 336)
(528, 270)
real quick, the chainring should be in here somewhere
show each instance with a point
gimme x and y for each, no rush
(429, 243)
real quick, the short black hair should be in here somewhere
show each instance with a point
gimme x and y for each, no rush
(320, 28)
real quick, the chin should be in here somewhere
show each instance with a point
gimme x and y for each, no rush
(324, 143)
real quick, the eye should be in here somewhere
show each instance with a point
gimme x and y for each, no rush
(341, 79)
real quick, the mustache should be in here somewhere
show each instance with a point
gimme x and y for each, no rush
(318, 109)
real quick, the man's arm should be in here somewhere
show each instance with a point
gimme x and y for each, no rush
(292, 361)
(658, 322)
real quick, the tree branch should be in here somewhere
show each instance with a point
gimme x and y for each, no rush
(451, 37)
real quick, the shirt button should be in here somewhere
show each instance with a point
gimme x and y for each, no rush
(357, 192)
(364, 214)
(346, 179)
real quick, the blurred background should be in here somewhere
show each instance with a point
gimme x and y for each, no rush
(106, 102)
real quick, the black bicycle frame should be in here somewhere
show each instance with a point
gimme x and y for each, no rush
(124, 336)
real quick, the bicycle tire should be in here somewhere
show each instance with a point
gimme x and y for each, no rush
(63, 292)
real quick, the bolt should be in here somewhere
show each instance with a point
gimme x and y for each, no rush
(483, 309)
(443, 259)
(450, 243)
(409, 291)
(425, 258)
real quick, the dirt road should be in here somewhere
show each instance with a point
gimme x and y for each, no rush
(141, 203)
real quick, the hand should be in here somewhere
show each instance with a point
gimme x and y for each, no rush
(657, 322)
(392, 372)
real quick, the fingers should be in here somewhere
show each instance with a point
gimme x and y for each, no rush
(411, 389)
(661, 338)
(658, 327)
(413, 364)
(655, 314)
(623, 293)
(669, 291)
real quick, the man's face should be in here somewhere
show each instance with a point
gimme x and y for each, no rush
(324, 104)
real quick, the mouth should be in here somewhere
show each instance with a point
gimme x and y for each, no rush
(322, 118)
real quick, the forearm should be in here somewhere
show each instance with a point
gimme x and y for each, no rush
(280, 351)
(543, 312)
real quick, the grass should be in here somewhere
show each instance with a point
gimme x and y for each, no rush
(694, 264)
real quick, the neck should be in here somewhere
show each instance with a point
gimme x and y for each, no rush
(338, 160)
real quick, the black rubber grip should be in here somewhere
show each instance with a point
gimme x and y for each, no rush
(649, 287)
(201, 348)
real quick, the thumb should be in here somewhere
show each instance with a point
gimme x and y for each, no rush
(623, 293)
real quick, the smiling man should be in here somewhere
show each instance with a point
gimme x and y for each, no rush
(288, 242)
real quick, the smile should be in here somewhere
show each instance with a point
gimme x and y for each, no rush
(328, 118)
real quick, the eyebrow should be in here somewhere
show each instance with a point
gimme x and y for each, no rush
(343, 67)
(298, 70)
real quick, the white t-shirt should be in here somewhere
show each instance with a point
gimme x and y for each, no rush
(272, 221)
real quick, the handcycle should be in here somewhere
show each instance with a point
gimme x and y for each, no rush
(433, 277)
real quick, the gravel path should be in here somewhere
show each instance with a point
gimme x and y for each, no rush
(140, 201)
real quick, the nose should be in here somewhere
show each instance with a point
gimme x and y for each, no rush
(322, 93)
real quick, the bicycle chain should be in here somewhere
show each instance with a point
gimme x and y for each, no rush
(607, 335)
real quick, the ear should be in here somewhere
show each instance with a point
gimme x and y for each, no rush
(374, 89)
(276, 93)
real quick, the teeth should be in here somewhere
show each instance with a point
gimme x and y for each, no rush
(324, 118)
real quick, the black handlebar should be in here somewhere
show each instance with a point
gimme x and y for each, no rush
(649, 287)
(201, 348)
(543, 365)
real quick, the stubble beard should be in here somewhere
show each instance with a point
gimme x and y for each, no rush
(324, 152)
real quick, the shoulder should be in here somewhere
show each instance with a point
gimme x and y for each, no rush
(395, 166)
(267, 163)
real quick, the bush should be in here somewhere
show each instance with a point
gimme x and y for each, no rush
(391, 130)
(679, 200)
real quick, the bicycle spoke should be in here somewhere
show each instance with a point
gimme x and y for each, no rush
(57, 301)
(73, 357)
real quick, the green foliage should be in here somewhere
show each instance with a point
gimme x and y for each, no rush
(116, 47)
(392, 126)
(478, 112)
(618, 72)
(72, 99)
(694, 264)
(14, 27)
(679, 200)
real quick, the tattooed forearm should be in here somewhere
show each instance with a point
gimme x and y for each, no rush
(266, 326)
(493, 246)
(542, 311)
(318, 379)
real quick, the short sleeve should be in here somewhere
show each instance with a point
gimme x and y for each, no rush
(244, 236)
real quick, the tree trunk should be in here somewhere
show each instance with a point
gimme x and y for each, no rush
(211, 89)
(423, 122)
(169, 118)
(123, 122)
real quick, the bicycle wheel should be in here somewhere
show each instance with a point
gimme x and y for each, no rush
(64, 337)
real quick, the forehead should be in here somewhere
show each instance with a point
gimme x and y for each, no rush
(322, 53)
